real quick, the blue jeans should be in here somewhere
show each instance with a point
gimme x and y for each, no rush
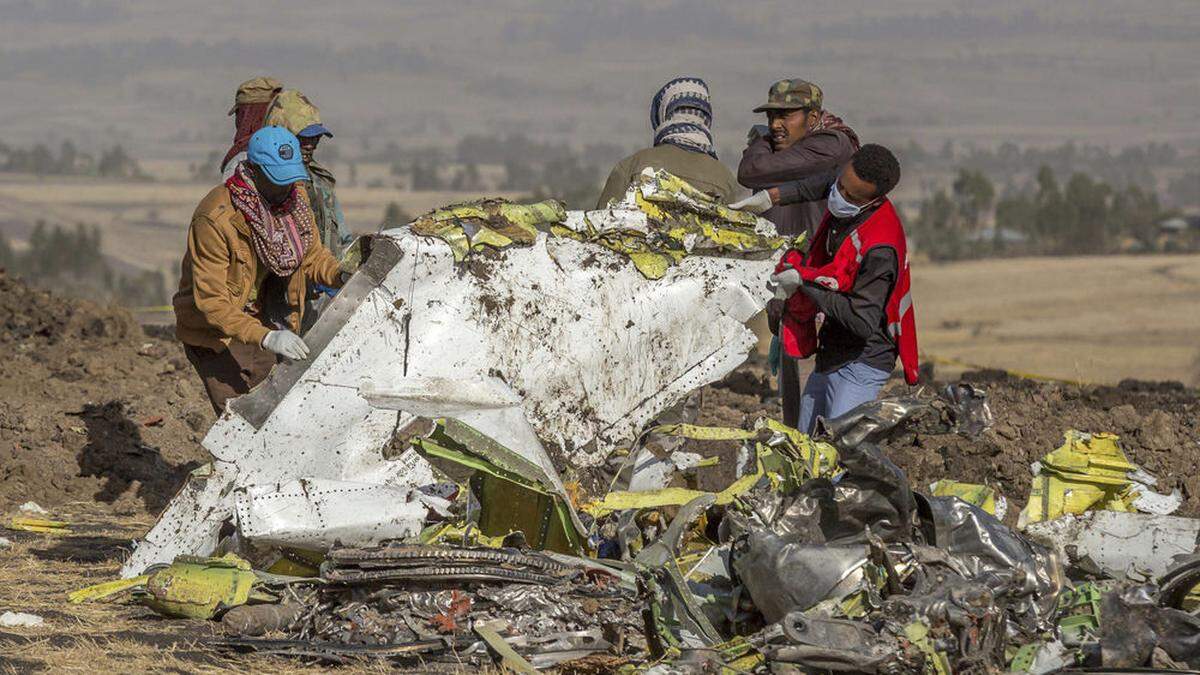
(837, 392)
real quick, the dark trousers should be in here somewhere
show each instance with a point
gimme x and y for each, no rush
(790, 390)
(231, 372)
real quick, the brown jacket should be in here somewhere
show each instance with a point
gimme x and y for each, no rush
(219, 273)
(704, 172)
(762, 167)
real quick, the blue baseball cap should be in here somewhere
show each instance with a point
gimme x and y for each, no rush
(317, 129)
(277, 152)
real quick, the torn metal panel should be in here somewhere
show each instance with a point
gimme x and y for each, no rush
(315, 514)
(1117, 543)
(548, 321)
(783, 576)
(994, 555)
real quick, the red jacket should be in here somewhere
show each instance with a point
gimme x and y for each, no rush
(798, 331)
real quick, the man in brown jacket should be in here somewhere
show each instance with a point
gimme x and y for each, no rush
(252, 249)
(800, 140)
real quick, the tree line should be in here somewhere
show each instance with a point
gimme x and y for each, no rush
(70, 260)
(1084, 215)
(40, 160)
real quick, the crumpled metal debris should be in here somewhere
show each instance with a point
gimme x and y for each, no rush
(872, 493)
(423, 483)
(983, 496)
(431, 603)
(870, 421)
(784, 576)
(1134, 626)
(1029, 575)
(823, 643)
(969, 409)
(1179, 586)
(1091, 472)
(662, 219)
(494, 223)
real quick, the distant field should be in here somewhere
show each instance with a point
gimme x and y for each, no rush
(144, 224)
(1096, 319)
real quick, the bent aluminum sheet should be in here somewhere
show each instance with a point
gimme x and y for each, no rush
(1118, 542)
(591, 349)
(316, 514)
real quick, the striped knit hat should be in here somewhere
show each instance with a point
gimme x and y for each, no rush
(681, 115)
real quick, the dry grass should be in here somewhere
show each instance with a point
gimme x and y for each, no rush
(38, 571)
(1095, 319)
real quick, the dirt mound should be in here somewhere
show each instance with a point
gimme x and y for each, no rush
(1158, 422)
(91, 408)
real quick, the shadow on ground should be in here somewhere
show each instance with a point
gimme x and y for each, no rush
(115, 452)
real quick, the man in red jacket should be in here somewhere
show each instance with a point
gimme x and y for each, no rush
(856, 274)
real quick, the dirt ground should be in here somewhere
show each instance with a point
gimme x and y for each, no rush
(1090, 319)
(91, 407)
(101, 421)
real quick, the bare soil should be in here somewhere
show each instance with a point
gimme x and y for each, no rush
(91, 407)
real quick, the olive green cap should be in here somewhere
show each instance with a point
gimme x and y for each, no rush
(293, 111)
(792, 94)
(256, 90)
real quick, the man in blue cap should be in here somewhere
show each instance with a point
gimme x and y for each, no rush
(293, 111)
(252, 250)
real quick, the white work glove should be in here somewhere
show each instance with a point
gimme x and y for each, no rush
(756, 203)
(286, 344)
(786, 283)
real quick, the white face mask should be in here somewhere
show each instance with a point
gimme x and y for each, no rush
(839, 206)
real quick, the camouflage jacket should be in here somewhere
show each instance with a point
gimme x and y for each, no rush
(330, 221)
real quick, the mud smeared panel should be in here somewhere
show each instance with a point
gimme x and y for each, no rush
(256, 406)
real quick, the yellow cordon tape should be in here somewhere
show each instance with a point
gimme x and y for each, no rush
(941, 360)
(156, 308)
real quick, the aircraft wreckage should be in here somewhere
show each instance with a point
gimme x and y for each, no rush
(485, 461)
(529, 324)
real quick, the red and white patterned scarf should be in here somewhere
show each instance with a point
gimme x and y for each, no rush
(280, 234)
(834, 123)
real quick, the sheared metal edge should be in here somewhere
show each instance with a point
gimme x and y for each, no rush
(256, 406)
(549, 320)
(1119, 542)
(509, 656)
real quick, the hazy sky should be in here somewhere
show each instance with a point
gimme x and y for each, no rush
(159, 74)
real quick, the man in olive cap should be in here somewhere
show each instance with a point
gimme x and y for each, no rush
(293, 111)
(249, 107)
(800, 140)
